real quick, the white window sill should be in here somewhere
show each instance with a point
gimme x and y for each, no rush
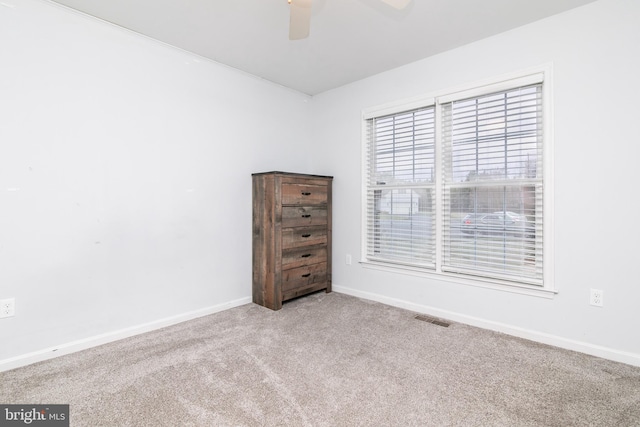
(495, 284)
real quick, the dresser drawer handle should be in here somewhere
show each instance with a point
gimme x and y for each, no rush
(305, 256)
(304, 193)
(306, 275)
(306, 216)
(306, 235)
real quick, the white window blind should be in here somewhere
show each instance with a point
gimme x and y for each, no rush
(455, 184)
(400, 207)
(493, 185)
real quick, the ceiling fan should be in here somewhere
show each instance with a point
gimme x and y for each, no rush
(300, 18)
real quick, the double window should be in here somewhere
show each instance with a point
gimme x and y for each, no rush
(455, 184)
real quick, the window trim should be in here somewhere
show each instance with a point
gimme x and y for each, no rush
(541, 73)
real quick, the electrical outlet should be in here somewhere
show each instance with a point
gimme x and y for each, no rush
(597, 296)
(347, 260)
(7, 307)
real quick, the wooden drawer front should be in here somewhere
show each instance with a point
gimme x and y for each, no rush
(303, 256)
(304, 194)
(303, 236)
(304, 276)
(301, 216)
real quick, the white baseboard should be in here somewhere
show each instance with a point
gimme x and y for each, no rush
(83, 344)
(544, 338)
(94, 341)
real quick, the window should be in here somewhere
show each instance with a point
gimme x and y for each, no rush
(455, 184)
(402, 188)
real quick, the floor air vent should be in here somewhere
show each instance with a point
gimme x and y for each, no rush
(433, 320)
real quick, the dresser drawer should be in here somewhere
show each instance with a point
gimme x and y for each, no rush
(304, 194)
(303, 236)
(304, 276)
(300, 257)
(301, 216)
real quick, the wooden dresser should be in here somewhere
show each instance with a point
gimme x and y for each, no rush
(291, 236)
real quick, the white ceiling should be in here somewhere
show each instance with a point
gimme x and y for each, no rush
(350, 39)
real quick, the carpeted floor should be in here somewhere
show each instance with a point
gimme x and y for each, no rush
(329, 360)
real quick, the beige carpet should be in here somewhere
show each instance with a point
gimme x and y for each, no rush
(329, 360)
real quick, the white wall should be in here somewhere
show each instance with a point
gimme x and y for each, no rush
(125, 178)
(594, 53)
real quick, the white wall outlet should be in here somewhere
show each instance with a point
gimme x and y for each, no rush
(597, 296)
(7, 307)
(347, 259)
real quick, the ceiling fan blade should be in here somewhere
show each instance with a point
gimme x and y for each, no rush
(300, 19)
(397, 4)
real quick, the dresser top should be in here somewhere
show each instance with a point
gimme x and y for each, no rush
(291, 174)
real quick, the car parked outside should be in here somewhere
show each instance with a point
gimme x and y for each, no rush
(497, 223)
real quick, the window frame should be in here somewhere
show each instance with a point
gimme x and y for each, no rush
(541, 74)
